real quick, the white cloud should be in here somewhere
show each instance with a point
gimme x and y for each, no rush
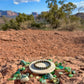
(23, 1)
(80, 4)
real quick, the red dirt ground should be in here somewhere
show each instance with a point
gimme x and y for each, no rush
(31, 45)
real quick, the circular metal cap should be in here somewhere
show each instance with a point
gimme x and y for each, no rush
(42, 66)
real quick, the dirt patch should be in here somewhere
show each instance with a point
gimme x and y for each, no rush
(31, 45)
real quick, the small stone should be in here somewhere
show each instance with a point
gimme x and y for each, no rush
(64, 62)
(50, 76)
(60, 72)
(73, 72)
(31, 75)
(27, 74)
(56, 81)
(24, 78)
(37, 77)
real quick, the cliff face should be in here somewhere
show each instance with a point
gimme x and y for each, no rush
(8, 13)
(81, 15)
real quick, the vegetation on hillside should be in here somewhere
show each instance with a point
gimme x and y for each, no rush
(58, 17)
(20, 22)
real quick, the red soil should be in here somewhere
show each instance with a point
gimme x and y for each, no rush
(31, 45)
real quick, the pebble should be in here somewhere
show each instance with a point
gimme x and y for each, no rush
(50, 76)
(37, 77)
(24, 78)
(60, 72)
(73, 72)
(31, 75)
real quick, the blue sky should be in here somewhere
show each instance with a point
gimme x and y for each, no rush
(29, 6)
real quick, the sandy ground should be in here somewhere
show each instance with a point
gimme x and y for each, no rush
(30, 45)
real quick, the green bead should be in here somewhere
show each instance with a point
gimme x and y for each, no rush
(23, 62)
(67, 69)
(27, 62)
(18, 72)
(40, 79)
(54, 76)
(73, 72)
(22, 68)
(70, 75)
(61, 67)
(31, 75)
(50, 60)
(56, 63)
(43, 81)
(60, 64)
(57, 68)
(45, 76)
(53, 72)
(60, 72)
(10, 79)
(15, 75)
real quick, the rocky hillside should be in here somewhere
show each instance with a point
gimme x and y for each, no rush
(31, 45)
(81, 15)
(8, 13)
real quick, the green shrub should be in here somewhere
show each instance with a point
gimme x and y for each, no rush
(82, 21)
(21, 21)
(37, 25)
(74, 18)
(69, 26)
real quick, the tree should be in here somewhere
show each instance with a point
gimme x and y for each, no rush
(56, 13)
(68, 8)
(61, 2)
(4, 18)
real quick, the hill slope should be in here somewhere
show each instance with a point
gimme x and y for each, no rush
(81, 15)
